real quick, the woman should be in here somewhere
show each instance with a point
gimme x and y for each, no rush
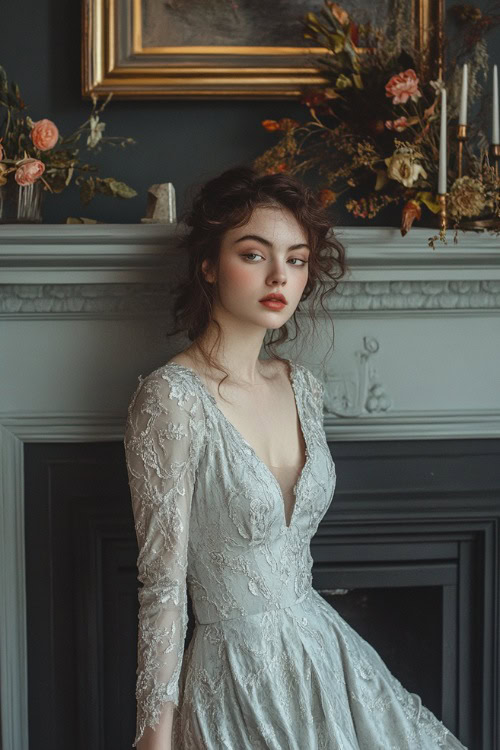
(229, 480)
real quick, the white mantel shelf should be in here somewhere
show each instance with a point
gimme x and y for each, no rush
(117, 253)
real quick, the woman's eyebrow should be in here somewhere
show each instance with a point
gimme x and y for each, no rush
(257, 238)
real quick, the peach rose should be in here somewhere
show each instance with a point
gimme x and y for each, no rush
(28, 171)
(400, 124)
(2, 152)
(403, 86)
(44, 134)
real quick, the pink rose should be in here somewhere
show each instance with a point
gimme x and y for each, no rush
(44, 134)
(28, 171)
(400, 124)
(403, 86)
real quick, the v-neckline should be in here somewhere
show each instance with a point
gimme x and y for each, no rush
(213, 400)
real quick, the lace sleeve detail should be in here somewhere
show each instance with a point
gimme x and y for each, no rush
(163, 435)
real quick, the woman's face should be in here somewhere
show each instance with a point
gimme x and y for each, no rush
(267, 254)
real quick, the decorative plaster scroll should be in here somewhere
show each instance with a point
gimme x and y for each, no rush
(96, 300)
(357, 392)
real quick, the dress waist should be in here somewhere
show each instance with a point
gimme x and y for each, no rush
(202, 618)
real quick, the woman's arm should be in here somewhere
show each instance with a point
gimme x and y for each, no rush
(162, 439)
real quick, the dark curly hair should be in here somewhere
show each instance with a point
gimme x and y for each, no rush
(228, 201)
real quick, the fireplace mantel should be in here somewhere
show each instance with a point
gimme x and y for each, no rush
(84, 311)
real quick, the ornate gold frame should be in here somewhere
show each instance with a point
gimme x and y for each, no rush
(114, 60)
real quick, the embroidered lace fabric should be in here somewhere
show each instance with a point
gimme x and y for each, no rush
(271, 665)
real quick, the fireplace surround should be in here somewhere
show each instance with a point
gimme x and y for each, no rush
(412, 416)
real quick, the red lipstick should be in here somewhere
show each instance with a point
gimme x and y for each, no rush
(274, 301)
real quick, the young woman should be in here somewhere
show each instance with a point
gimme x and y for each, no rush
(230, 474)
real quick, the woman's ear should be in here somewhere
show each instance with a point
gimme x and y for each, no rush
(208, 274)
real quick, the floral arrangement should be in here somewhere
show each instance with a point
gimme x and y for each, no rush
(372, 137)
(35, 151)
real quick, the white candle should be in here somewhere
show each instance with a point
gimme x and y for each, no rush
(442, 146)
(495, 136)
(462, 120)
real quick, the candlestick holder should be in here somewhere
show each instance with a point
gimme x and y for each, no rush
(442, 213)
(461, 138)
(495, 156)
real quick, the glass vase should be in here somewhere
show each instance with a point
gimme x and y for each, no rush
(21, 204)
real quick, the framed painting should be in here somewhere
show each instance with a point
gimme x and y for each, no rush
(196, 49)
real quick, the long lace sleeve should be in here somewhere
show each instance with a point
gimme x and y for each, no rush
(163, 438)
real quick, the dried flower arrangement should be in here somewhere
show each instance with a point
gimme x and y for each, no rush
(35, 151)
(372, 138)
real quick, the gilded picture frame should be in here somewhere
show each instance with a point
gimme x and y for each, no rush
(130, 48)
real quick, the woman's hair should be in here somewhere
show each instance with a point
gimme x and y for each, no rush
(228, 201)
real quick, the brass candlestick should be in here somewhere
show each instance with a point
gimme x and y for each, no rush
(461, 138)
(495, 155)
(442, 213)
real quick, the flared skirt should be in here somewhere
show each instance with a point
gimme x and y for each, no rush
(298, 678)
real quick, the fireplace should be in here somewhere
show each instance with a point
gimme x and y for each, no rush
(408, 551)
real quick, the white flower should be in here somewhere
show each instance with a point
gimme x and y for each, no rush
(403, 167)
(96, 130)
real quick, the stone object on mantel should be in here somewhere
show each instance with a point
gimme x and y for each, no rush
(161, 204)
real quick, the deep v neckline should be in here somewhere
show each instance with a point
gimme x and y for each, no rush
(239, 436)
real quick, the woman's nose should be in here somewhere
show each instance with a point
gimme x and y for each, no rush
(277, 273)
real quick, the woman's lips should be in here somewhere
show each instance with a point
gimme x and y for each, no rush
(272, 304)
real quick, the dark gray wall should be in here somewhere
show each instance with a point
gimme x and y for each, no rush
(184, 142)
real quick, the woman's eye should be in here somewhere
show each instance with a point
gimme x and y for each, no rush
(250, 257)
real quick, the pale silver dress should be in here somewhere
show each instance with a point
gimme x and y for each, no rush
(271, 665)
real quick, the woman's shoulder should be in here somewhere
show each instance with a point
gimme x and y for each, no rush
(311, 380)
(312, 385)
(169, 384)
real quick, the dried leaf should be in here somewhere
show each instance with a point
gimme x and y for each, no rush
(429, 200)
(115, 188)
(87, 191)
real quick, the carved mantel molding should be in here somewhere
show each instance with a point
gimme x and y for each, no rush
(26, 301)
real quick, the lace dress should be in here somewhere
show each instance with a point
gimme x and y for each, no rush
(271, 665)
